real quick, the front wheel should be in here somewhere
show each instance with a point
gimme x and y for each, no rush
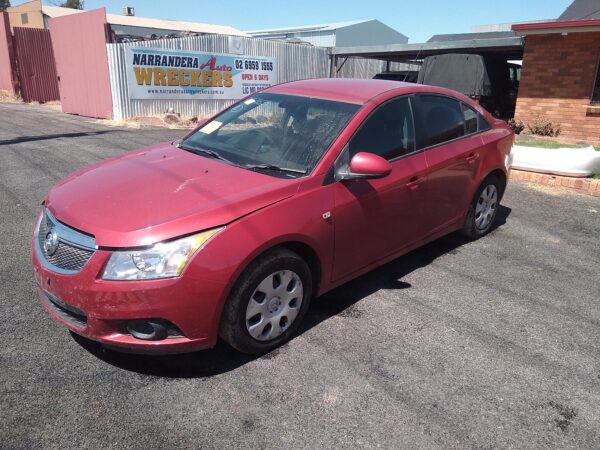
(483, 209)
(267, 303)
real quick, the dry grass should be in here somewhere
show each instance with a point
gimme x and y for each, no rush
(183, 123)
(175, 123)
(54, 104)
(7, 97)
(118, 123)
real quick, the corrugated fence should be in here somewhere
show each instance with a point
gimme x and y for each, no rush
(79, 43)
(355, 67)
(35, 60)
(294, 62)
(8, 75)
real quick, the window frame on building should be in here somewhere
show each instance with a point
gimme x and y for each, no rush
(595, 95)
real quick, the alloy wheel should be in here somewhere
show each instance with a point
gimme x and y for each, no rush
(486, 207)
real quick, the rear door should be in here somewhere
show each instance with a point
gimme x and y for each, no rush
(447, 132)
(378, 217)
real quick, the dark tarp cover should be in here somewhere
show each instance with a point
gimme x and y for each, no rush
(462, 72)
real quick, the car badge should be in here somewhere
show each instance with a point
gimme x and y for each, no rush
(51, 242)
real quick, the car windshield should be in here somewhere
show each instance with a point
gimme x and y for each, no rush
(280, 135)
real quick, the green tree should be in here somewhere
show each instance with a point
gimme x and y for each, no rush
(73, 4)
(4, 4)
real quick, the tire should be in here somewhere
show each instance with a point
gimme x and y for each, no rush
(483, 208)
(261, 298)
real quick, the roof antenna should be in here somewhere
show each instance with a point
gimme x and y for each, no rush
(418, 53)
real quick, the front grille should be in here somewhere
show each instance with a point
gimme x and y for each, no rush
(71, 314)
(67, 256)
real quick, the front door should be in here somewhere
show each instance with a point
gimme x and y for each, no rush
(378, 217)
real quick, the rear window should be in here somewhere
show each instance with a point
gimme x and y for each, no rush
(474, 122)
(443, 118)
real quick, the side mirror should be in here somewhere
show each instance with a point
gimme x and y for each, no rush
(365, 166)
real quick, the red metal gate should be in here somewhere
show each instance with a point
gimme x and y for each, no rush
(8, 73)
(35, 63)
(79, 42)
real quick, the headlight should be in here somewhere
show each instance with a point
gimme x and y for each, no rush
(162, 260)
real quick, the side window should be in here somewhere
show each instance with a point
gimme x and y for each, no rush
(474, 121)
(388, 132)
(443, 119)
(470, 120)
(482, 124)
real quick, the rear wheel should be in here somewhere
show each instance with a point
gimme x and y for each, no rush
(483, 209)
(267, 303)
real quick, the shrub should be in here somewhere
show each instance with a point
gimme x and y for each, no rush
(542, 126)
(517, 127)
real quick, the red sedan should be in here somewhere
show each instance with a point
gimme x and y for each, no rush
(283, 196)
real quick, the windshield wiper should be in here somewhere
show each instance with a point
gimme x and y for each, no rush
(273, 167)
(204, 151)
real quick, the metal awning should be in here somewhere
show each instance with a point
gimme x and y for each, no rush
(509, 47)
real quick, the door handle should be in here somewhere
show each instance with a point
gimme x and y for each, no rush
(472, 157)
(414, 182)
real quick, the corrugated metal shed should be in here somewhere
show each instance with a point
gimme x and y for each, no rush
(467, 36)
(339, 34)
(305, 28)
(580, 10)
(148, 22)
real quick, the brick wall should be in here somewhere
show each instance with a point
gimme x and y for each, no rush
(582, 185)
(557, 81)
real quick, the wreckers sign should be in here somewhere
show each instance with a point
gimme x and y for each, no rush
(178, 74)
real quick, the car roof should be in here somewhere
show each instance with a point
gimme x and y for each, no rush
(353, 90)
(349, 90)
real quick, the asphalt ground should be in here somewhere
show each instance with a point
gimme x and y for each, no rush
(486, 344)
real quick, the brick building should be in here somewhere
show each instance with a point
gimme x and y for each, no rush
(560, 79)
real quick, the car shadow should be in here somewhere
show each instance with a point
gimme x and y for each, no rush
(44, 137)
(340, 301)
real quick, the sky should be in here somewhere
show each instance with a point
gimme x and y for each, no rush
(417, 19)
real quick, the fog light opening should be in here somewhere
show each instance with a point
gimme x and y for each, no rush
(152, 329)
(147, 330)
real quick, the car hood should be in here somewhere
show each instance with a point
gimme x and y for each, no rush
(160, 192)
